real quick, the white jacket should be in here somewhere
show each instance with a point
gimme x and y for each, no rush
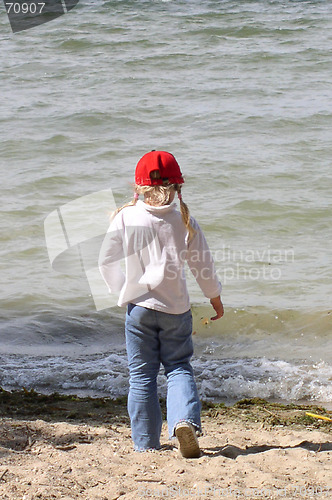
(153, 242)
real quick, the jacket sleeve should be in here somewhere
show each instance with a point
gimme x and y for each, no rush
(110, 256)
(201, 263)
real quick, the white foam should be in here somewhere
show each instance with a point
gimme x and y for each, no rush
(227, 379)
(265, 378)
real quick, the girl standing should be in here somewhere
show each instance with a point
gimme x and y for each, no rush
(156, 240)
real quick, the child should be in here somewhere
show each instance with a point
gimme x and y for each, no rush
(156, 240)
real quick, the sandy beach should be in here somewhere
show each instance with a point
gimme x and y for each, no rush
(80, 448)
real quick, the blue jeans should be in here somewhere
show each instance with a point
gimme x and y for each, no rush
(154, 337)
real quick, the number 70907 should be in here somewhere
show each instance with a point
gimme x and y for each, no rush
(24, 8)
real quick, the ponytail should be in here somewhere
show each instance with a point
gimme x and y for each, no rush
(131, 203)
(185, 214)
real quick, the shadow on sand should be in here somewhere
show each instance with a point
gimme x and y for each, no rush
(233, 452)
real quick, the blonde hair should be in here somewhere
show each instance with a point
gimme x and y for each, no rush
(158, 196)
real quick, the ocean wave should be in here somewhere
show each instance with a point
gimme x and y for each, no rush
(218, 380)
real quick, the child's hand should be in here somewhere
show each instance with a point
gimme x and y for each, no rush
(218, 307)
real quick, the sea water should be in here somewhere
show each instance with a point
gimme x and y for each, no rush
(240, 93)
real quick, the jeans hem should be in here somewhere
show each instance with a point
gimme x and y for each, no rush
(197, 427)
(140, 449)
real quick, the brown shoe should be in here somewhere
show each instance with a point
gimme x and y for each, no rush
(186, 434)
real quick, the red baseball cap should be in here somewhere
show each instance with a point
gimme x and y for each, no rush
(159, 161)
